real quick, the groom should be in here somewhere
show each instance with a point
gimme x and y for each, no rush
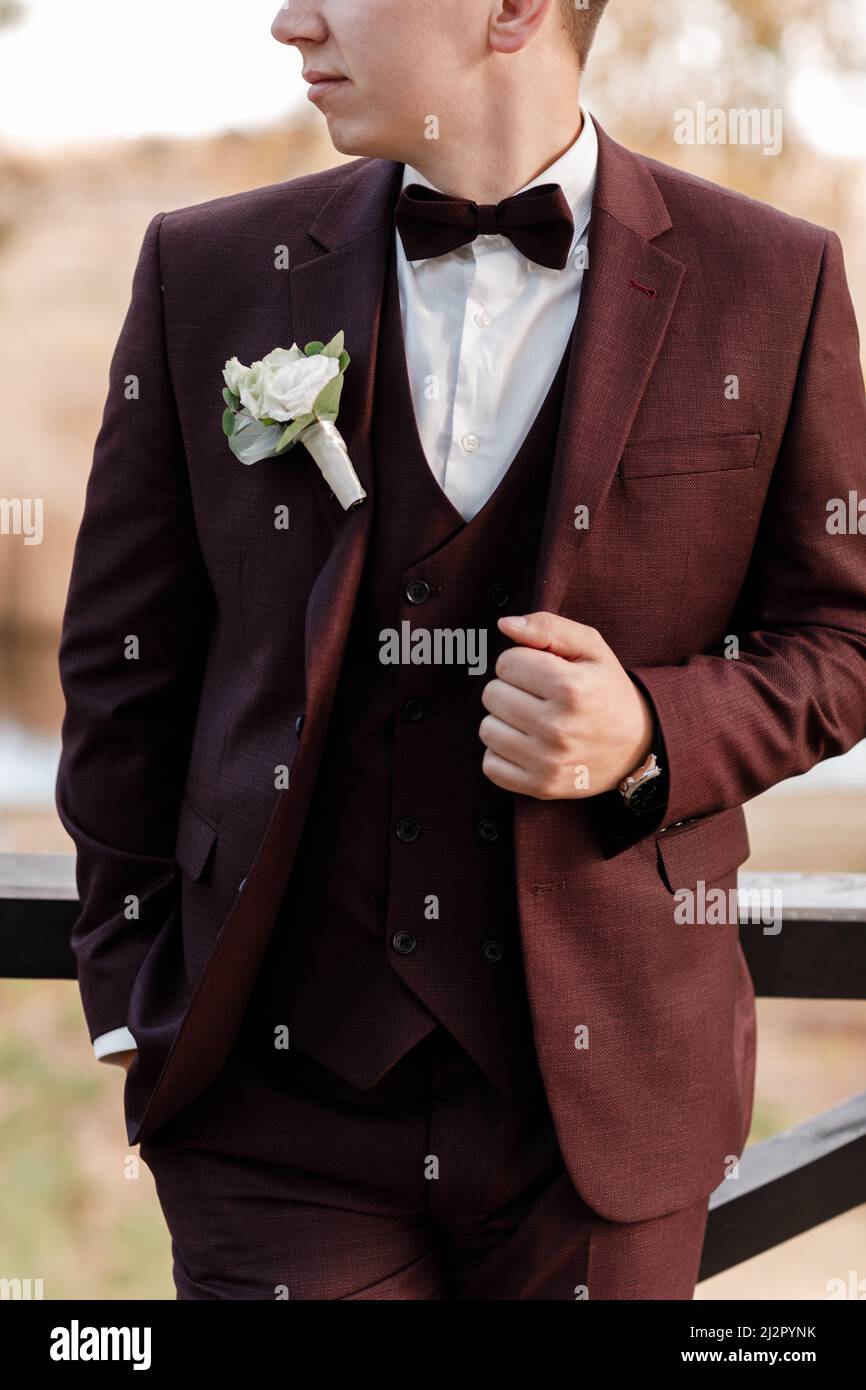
(392, 953)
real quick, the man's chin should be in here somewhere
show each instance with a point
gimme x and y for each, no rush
(351, 140)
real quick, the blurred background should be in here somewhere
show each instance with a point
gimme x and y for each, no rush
(110, 113)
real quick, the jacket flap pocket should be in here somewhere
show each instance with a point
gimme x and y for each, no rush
(195, 836)
(654, 458)
(702, 849)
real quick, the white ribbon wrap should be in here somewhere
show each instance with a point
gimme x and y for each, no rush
(328, 448)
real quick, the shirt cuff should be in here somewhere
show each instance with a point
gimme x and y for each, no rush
(118, 1040)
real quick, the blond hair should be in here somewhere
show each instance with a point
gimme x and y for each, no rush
(581, 21)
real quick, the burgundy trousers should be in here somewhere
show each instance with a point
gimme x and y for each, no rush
(281, 1181)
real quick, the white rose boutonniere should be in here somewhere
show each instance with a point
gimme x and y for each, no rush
(292, 396)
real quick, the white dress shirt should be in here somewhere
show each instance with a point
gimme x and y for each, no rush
(484, 330)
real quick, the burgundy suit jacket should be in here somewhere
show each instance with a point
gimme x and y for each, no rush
(714, 406)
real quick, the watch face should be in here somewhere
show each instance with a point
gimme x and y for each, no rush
(644, 796)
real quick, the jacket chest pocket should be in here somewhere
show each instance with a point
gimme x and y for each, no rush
(659, 458)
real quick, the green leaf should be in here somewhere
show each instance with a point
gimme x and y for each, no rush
(345, 359)
(228, 423)
(295, 428)
(231, 400)
(335, 346)
(327, 403)
(312, 348)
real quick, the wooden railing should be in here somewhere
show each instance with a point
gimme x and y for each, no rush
(785, 1185)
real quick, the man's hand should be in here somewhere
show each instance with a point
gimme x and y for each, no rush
(565, 719)
(121, 1059)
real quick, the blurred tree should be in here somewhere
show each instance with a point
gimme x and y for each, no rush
(651, 59)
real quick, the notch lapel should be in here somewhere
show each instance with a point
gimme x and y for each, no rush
(628, 295)
(341, 286)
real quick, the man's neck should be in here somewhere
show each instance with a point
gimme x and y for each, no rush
(470, 171)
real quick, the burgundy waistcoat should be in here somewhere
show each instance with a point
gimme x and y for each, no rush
(400, 913)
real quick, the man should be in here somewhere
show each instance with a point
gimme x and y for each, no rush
(420, 1018)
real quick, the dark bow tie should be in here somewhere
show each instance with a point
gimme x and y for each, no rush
(538, 221)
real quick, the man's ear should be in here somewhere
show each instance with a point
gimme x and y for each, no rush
(514, 22)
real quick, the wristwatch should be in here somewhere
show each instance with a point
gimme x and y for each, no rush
(641, 790)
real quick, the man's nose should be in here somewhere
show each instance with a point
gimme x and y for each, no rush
(297, 20)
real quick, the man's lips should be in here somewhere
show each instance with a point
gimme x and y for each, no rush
(321, 82)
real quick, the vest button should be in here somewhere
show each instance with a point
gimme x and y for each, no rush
(404, 942)
(241, 884)
(487, 830)
(498, 595)
(418, 591)
(407, 829)
(413, 710)
(492, 952)
(299, 724)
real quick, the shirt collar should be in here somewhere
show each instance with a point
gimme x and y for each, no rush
(574, 171)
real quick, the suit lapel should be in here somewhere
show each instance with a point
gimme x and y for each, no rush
(628, 295)
(340, 285)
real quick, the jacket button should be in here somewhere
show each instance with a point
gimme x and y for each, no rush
(299, 724)
(407, 829)
(492, 951)
(418, 591)
(413, 710)
(403, 942)
(487, 830)
(498, 595)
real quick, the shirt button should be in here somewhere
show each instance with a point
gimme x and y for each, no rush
(404, 942)
(413, 710)
(418, 591)
(492, 952)
(487, 830)
(470, 443)
(498, 595)
(407, 830)
(483, 320)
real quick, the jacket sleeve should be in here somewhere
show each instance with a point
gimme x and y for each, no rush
(617, 825)
(796, 694)
(134, 637)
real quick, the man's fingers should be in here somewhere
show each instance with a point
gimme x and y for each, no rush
(553, 633)
(501, 738)
(505, 774)
(517, 708)
(536, 673)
